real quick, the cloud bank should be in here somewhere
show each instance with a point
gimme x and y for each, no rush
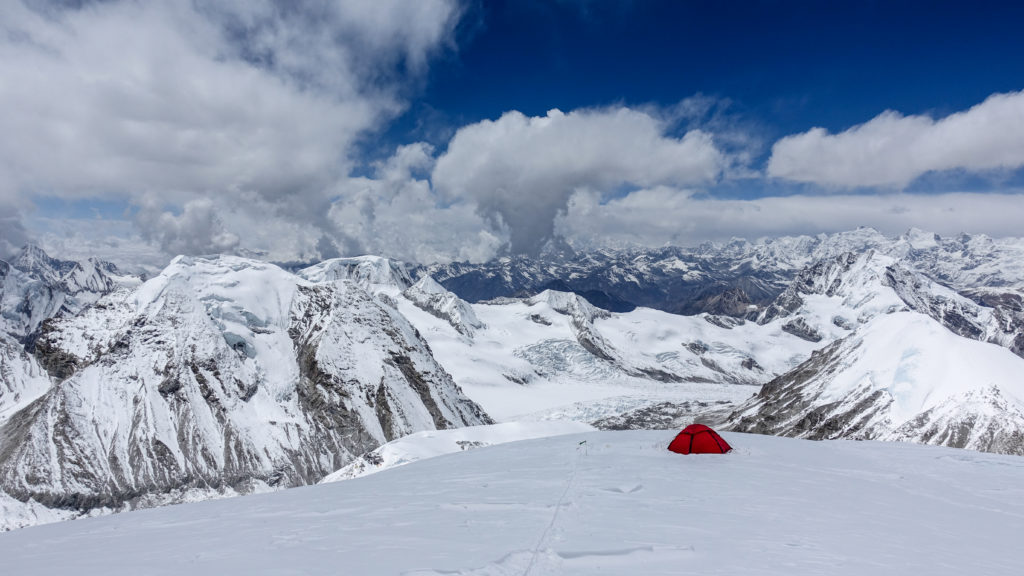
(241, 126)
(662, 216)
(891, 150)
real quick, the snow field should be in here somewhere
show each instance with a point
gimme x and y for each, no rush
(618, 504)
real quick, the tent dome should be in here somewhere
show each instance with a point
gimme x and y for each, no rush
(699, 439)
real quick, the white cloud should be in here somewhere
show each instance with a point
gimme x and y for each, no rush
(397, 214)
(197, 230)
(256, 102)
(892, 150)
(521, 171)
(659, 216)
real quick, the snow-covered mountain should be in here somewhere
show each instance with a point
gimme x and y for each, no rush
(35, 287)
(901, 376)
(431, 297)
(851, 288)
(914, 365)
(619, 504)
(22, 379)
(228, 375)
(692, 280)
(219, 375)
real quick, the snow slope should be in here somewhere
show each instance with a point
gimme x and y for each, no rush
(620, 504)
(430, 444)
(900, 376)
(22, 380)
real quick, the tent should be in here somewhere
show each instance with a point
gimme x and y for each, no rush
(699, 439)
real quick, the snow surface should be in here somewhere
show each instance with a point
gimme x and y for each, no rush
(921, 365)
(618, 504)
(432, 443)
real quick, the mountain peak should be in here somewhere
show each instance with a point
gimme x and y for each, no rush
(34, 261)
(367, 271)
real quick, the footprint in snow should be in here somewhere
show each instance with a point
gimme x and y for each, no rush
(624, 489)
(647, 559)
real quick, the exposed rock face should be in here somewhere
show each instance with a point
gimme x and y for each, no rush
(899, 377)
(692, 280)
(433, 298)
(677, 280)
(229, 375)
(798, 327)
(198, 381)
(732, 302)
(727, 322)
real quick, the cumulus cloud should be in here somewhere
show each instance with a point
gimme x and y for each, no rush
(231, 102)
(663, 215)
(521, 171)
(892, 150)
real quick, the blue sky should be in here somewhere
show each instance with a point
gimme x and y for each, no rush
(465, 129)
(784, 66)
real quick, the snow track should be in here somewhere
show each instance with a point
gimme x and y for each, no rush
(558, 507)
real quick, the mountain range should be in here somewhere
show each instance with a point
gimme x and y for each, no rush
(226, 375)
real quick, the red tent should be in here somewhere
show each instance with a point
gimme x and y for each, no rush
(699, 439)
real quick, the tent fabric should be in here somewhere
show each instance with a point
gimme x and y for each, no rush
(699, 439)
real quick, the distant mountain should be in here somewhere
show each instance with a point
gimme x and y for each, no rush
(723, 278)
(35, 287)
